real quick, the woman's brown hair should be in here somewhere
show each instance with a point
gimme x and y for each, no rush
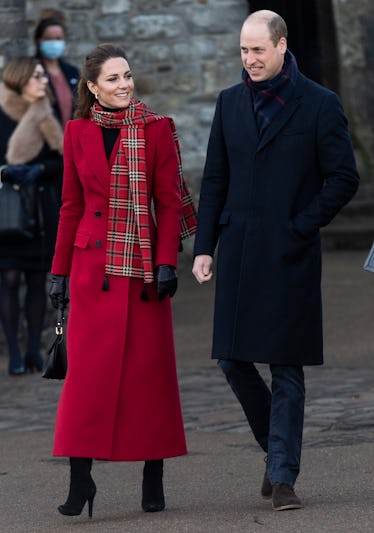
(90, 72)
(18, 71)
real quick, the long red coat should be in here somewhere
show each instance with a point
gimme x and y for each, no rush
(120, 399)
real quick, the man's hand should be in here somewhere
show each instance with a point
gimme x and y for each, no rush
(202, 268)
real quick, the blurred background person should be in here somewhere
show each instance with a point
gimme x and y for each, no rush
(30, 151)
(49, 37)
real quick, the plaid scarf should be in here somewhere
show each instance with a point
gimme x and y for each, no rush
(270, 96)
(129, 248)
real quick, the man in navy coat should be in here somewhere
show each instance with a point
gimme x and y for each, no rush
(279, 166)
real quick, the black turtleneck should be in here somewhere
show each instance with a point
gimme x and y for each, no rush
(109, 134)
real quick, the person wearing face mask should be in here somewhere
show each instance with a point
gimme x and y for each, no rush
(49, 37)
(125, 208)
(30, 152)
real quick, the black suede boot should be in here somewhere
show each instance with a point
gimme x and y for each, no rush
(153, 491)
(82, 488)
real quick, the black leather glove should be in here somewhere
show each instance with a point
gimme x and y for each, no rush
(57, 292)
(167, 281)
(22, 174)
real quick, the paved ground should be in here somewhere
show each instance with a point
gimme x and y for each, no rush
(216, 487)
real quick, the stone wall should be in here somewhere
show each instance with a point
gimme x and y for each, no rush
(13, 30)
(355, 29)
(181, 52)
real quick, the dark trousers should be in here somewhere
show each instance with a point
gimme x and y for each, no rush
(277, 417)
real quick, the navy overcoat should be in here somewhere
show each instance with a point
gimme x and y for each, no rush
(264, 199)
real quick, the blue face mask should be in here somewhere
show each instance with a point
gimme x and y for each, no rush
(52, 49)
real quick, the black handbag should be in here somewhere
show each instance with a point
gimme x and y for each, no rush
(18, 212)
(56, 363)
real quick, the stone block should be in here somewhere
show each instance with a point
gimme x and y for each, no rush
(111, 27)
(115, 6)
(215, 19)
(157, 27)
(12, 25)
(78, 4)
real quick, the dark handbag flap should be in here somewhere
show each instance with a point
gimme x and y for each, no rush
(55, 365)
(17, 212)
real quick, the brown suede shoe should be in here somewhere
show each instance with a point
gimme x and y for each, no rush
(266, 488)
(284, 497)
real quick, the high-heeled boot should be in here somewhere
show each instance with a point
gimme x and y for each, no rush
(82, 488)
(153, 491)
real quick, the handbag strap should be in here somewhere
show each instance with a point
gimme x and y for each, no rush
(60, 321)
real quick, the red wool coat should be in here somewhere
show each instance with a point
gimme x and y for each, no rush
(120, 399)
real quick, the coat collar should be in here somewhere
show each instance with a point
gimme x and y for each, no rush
(91, 140)
(283, 116)
(247, 116)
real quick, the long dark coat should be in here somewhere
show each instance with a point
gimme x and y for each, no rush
(265, 199)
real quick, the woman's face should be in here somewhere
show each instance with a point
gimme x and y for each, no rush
(35, 88)
(114, 87)
(52, 43)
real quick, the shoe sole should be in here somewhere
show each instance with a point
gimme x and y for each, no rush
(287, 507)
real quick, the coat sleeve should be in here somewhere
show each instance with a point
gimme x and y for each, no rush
(213, 187)
(70, 212)
(337, 167)
(166, 197)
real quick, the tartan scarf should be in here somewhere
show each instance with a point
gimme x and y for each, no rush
(270, 96)
(128, 221)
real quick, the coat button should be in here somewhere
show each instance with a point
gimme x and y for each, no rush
(97, 213)
(98, 244)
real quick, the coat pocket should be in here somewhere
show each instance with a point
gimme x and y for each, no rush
(81, 240)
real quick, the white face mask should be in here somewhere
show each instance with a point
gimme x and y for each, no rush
(52, 49)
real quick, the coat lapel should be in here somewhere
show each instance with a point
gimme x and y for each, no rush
(91, 140)
(247, 118)
(282, 118)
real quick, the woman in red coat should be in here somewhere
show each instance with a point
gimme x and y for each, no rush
(120, 227)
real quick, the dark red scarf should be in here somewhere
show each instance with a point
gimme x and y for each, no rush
(270, 96)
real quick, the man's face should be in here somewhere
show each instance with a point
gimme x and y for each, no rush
(261, 59)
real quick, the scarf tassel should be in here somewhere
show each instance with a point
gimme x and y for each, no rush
(144, 294)
(105, 286)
